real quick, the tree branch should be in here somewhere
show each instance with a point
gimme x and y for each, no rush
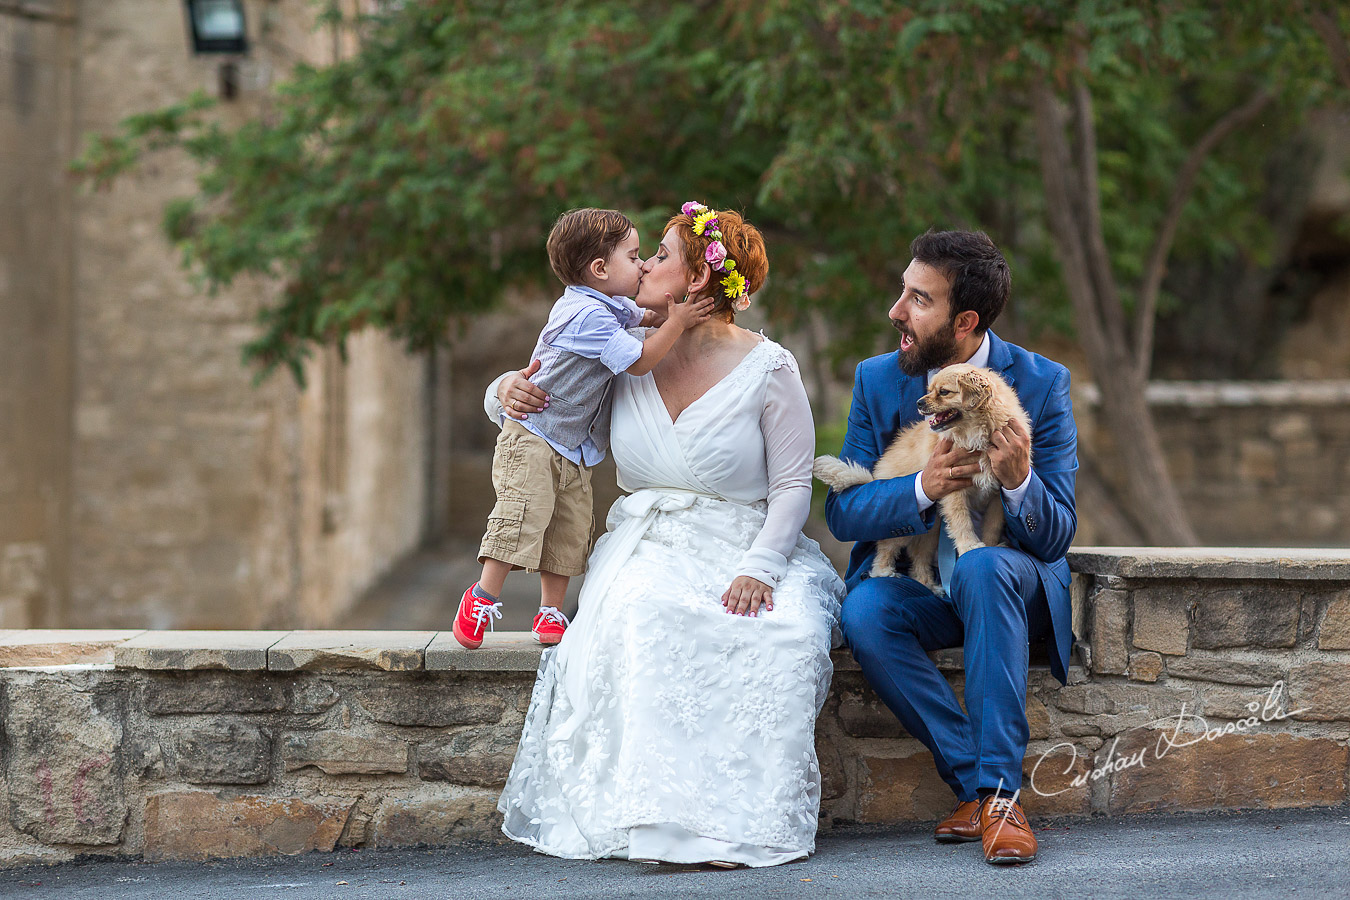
(1099, 261)
(1337, 48)
(1156, 266)
(1056, 177)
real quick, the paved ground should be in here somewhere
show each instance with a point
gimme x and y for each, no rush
(1263, 854)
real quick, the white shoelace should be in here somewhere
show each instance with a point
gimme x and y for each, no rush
(485, 611)
(550, 612)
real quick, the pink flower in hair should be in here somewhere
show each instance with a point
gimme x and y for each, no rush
(716, 254)
(691, 208)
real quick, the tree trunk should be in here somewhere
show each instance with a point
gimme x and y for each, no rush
(1151, 497)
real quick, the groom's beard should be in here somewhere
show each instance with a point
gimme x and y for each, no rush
(928, 353)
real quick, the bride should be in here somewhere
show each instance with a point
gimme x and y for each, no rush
(676, 719)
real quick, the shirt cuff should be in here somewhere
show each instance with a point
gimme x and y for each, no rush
(919, 496)
(763, 564)
(635, 312)
(490, 405)
(1013, 499)
(621, 352)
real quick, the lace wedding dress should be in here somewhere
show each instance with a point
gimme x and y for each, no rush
(662, 728)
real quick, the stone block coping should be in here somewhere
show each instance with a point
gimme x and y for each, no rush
(1204, 394)
(392, 651)
(502, 651)
(61, 646)
(289, 651)
(184, 650)
(1225, 563)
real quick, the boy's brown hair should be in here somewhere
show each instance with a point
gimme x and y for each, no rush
(581, 236)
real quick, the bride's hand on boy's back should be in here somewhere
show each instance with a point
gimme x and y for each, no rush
(746, 595)
(519, 396)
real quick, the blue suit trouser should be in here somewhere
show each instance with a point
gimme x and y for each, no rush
(995, 606)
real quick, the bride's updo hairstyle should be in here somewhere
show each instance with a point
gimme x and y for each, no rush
(730, 246)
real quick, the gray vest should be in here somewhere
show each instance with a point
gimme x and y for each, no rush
(580, 396)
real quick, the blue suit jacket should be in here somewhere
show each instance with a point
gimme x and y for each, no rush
(884, 401)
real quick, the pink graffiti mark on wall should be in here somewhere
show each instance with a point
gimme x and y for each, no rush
(44, 777)
(80, 795)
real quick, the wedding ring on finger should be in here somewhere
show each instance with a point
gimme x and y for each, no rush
(951, 472)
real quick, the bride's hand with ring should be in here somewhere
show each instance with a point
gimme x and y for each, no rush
(519, 396)
(746, 595)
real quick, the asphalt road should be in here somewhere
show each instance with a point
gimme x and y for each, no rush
(1285, 853)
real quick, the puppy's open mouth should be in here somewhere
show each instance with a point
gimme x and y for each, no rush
(943, 420)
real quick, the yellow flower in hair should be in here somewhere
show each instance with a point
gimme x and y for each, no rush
(701, 221)
(734, 285)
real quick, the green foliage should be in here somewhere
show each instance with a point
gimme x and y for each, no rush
(411, 183)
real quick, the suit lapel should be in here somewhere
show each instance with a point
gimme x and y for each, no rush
(1000, 359)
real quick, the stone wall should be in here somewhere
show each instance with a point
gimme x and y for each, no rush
(144, 479)
(1256, 463)
(36, 133)
(1212, 679)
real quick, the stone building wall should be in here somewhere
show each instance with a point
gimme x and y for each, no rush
(1263, 464)
(36, 132)
(1209, 680)
(160, 487)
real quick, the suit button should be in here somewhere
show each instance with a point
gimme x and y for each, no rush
(895, 532)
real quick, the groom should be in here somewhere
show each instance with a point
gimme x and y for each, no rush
(994, 600)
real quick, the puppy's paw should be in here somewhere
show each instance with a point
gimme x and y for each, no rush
(924, 576)
(839, 474)
(883, 571)
(962, 548)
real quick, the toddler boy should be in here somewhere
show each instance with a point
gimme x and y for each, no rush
(541, 467)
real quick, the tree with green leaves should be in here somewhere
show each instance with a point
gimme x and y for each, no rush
(1097, 142)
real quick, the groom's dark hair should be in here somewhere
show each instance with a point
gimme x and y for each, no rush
(976, 271)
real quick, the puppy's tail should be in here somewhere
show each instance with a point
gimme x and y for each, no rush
(839, 474)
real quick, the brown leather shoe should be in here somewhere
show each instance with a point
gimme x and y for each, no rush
(1005, 833)
(962, 825)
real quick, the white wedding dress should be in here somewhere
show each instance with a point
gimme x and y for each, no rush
(662, 728)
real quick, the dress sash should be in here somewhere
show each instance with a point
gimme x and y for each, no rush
(637, 511)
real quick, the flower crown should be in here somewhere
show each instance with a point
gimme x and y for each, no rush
(733, 282)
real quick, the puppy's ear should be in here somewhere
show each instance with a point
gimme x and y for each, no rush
(977, 386)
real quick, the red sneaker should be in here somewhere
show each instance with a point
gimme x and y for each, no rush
(474, 617)
(549, 625)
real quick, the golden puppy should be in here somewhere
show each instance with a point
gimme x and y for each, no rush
(967, 404)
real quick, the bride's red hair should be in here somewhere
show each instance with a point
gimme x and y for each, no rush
(744, 244)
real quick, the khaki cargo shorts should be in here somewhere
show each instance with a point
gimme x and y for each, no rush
(544, 512)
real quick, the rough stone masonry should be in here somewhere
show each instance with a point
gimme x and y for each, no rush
(1216, 678)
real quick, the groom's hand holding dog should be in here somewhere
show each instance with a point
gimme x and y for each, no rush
(950, 469)
(1010, 454)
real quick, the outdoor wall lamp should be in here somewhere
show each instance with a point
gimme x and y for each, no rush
(218, 28)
